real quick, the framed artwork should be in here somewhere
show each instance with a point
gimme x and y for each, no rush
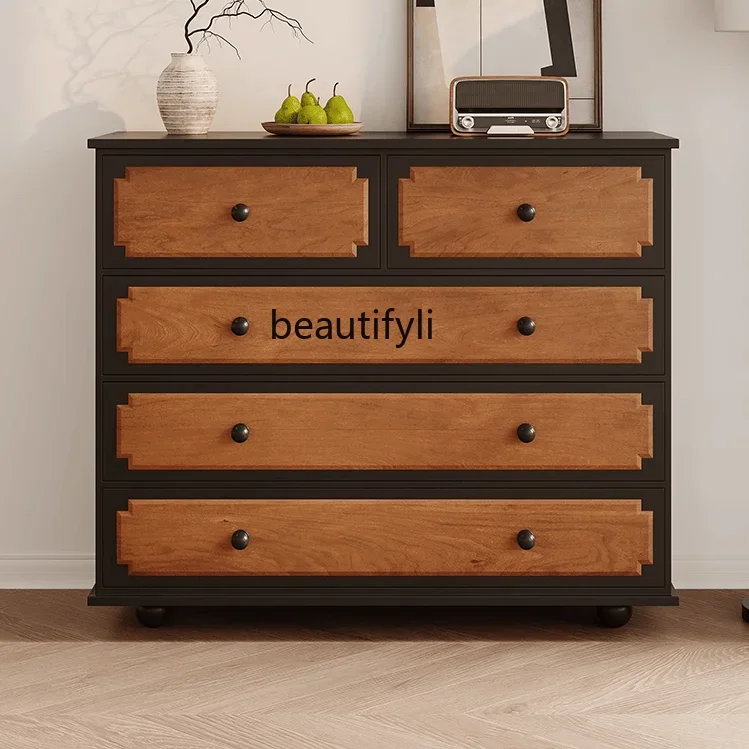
(451, 38)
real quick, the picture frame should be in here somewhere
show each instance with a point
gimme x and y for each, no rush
(587, 108)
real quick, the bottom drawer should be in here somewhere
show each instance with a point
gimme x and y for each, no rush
(385, 537)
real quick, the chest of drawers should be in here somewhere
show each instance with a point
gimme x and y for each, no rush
(383, 370)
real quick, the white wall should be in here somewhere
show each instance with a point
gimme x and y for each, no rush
(76, 68)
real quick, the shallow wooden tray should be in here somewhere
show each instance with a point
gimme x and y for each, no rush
(295, 129)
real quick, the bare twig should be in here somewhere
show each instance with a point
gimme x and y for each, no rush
(197, 6)
(207, 34)
(236, 9)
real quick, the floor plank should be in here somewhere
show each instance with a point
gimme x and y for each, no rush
(78, 677)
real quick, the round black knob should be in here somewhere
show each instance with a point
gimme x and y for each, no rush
(240, 433)
(240, 326)
(526, 540)
(526, 433)
(526, 326)
(526, 212)
(240, 540)
(240, 212)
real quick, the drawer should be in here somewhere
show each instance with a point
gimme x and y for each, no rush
(560, 212)
(262, 211)
(526, 211)
(252, 212)
(385, 537)
(533, 325)
(521, 431)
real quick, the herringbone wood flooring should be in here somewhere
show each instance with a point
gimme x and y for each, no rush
(72, 677)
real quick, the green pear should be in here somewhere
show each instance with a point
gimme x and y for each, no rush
(337, 110)
(308, 98)
(289, 109)
(313, 114)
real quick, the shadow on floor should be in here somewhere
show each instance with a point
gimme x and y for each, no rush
(55, 615)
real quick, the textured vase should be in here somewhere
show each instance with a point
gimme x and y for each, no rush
(187, 94)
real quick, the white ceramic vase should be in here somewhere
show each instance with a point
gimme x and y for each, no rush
(187, 94)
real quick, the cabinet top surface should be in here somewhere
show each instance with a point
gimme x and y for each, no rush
(380, 140)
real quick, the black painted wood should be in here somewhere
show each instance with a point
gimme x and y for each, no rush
(654, 166)
(115, 393)
(378, 141)
(383, 158)
(655, 579)
(115, 363)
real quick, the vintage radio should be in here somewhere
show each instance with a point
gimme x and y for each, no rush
(489, 105)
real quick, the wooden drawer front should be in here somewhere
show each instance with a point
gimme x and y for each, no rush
(472, 211)
(181, 325)
(385, 537)
(459, 431)
(300, 211)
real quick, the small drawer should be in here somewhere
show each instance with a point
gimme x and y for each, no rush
(514, 325)
(385, 537)
(567, 431)
(526, 212)
(302, 212)
(257, 213)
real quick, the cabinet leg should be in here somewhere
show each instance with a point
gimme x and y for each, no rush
(745, 610)
(151, 616)
(614, 616)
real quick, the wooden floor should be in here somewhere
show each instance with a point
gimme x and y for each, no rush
(79, 677)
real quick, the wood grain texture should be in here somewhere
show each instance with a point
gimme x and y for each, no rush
(574, 325)
(546, 678)
(385, 537)
(471, 211)
(182, 431)
(300, 211)
(294, 129)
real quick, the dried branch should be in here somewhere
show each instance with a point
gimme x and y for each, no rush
(196, 8)
(208, 34)
(236, 9)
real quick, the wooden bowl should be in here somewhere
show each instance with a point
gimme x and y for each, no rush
(275, 128)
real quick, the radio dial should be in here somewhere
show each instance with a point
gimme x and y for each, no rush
(467, 122)
(552, 122)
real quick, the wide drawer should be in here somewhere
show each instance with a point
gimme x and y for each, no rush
(385, 537)
(526, 211)
(241, 211)
(524, 431)
(355, 324)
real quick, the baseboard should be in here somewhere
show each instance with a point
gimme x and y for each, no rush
(711, 572)
(77, 571)
(64, 571)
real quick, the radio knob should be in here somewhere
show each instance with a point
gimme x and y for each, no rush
(552, 122)
(467, 122)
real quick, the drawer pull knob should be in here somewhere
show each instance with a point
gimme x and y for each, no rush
(240, 433)
(526, 326)
(240, 540)
(526, 433)
(526, 540)
(240, 326)
(526, 212)
(240, 212)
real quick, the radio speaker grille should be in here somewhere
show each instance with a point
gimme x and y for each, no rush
(487, 95)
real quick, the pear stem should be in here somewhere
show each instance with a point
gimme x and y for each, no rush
(312, 80)
(289, 90)
(335, 87)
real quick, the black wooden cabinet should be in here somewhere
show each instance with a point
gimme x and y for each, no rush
(467, 399)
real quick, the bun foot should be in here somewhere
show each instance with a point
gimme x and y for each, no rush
(151, 616)
(614, 616)
(745, 610)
